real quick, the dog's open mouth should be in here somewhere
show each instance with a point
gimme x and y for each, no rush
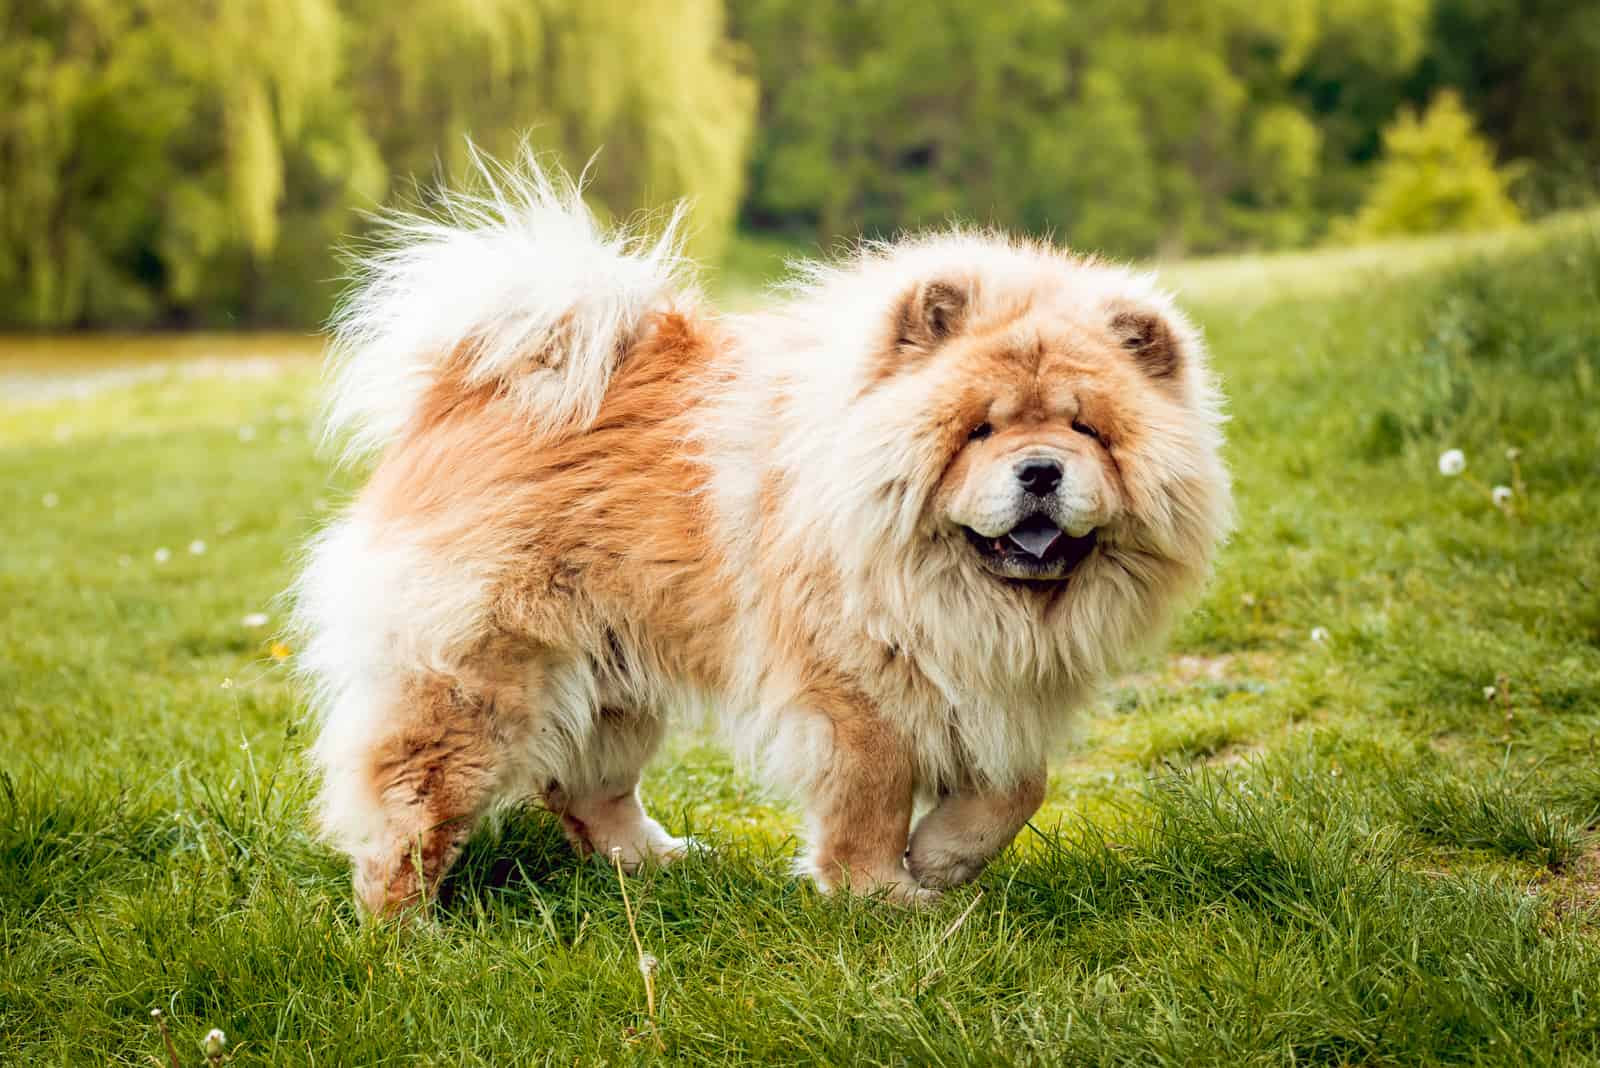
(1034, 550)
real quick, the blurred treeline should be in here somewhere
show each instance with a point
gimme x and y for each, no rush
(175, 162)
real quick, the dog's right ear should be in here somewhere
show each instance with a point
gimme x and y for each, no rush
(932, 312)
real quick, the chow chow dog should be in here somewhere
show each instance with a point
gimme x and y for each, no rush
(895, 528)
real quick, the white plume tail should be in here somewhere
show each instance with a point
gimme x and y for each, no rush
(516, 285)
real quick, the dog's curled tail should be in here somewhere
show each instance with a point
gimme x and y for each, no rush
(516, 287)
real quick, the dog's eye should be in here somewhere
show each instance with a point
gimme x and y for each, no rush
(1085, 429)
(979, 432)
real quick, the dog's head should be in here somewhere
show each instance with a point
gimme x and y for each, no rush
(1051, 413)
(982, 422)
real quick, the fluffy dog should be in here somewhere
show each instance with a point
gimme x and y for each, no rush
(896, 528)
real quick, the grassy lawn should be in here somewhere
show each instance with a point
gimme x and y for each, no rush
(1346, 817)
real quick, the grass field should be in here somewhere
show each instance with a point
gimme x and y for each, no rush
(1347, 817)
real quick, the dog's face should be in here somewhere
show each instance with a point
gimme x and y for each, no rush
(1058, 422)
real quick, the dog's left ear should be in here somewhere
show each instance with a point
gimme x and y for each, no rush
(1147, 336)
(932, 312)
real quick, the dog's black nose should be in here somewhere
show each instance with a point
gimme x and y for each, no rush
(1039, 477)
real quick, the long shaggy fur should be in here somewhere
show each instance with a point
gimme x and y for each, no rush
(594, 502)
(517, 284)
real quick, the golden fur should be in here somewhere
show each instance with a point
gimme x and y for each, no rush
(808, 515)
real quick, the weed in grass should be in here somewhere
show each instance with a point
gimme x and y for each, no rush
(1487, 814)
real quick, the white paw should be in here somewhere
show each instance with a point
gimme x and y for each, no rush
(653, 846)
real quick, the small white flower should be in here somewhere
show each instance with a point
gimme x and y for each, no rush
(247, 433)
(50, 500)
(1452, 462)
(1513, 454)
(1488, 693)
(647, 965)
(227, 684)
(1501, 495)
(163, 554)
(255, 619)
(197, 548)
(1319, 634)
(215, 1042)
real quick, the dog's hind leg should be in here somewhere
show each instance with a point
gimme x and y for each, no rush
(404, 798)
(599, 803)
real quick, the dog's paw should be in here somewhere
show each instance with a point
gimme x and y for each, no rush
(941, 869)
(895, 886)
(658, 849)
(914, 897)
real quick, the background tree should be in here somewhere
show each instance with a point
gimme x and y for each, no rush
(183, 161)
(177, 162)
(1437, 174)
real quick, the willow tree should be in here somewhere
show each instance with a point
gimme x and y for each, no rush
(169, 161)
(146, 148)
(652, 88)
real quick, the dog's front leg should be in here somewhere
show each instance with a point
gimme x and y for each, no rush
(958, 837)
(860, 807)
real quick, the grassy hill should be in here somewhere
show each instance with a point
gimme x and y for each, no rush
(1347, 817)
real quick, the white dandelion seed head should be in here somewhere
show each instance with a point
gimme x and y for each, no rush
(1488, 693)
(162, 555)
(647, 965)
(215, 1042)
(50, 500)
(197, 547)
(255, 619)
(1513, 454)
(1501, 495)
(1319, 634)
(1452, 462)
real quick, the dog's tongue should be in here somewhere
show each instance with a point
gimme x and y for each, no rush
(1035, 536)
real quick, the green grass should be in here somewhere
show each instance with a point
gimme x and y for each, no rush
(1263, 848)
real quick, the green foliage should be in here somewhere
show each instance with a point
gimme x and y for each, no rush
(181, 161)
(1526, 69)
(192, 162)
(1126, 127)
(1139, 128)
(1437, 175)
